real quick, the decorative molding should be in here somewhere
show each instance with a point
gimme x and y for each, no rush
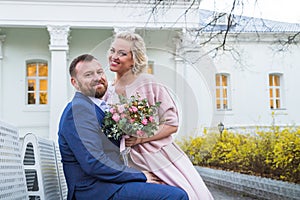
(119, 29)
(186, 44)
(58, 37)
(177, 40)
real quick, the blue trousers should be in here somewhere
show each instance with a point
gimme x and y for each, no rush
(149, 191)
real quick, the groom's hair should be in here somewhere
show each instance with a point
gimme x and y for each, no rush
(81, 58)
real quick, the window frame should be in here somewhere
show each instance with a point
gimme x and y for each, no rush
(150, 68)
(273, 88)
(221, 89)
(37, 80)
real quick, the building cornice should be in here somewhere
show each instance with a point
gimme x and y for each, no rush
(248, 37)
(94, 14)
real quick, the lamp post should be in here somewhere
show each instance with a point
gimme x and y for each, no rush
(221, 128)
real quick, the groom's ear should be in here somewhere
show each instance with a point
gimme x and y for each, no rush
(74, 82)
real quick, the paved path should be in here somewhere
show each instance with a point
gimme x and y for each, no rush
(225, 194)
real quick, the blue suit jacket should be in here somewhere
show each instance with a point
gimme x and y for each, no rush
(91, 162)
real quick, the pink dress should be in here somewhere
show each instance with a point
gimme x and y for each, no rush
(163, 157)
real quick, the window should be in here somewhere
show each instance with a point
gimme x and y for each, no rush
(37, 83)
(275, 91)
(150, 67)
(222, 92)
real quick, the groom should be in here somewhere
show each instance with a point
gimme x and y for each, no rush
(91, 162)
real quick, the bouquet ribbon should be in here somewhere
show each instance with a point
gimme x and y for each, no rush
(122, 143)
(124, 150)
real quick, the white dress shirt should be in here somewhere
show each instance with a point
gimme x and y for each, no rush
(100, 103)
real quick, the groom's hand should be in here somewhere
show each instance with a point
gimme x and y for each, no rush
(152, 178)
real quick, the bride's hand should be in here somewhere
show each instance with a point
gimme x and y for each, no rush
(152, 178)
(131, 141)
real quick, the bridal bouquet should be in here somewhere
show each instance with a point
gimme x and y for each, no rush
(133, 117)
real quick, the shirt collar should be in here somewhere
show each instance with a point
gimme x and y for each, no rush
(98, 102)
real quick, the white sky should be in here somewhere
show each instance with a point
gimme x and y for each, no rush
(278, 10)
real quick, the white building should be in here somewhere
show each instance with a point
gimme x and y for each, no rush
(39, 38)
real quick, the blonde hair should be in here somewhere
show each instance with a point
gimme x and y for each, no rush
(138, 50)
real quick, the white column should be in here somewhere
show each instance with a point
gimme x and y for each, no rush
(180, 82)
(199, 73)
(2, 38)
(58, 75)
(189, 82)
(179, 66)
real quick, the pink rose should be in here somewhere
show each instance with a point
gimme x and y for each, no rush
(121, 108)
(112, 110)
(145, 121)
(134, 109)
(132, 120)
(116, 117)
(151, 119)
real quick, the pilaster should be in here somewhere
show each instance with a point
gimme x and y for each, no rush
(2, 38)
(119, 29)
(189, 81)
(58, 37)
(179, 63)
(58, 75)
(180, 80)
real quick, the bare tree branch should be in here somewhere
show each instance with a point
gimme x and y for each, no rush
(216, 34)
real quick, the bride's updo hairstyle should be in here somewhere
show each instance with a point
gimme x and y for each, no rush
(138, 50)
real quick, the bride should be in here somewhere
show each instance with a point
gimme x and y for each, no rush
(158, 154)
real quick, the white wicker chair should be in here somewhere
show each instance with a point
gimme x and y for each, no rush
(43, 170)
(12, 177)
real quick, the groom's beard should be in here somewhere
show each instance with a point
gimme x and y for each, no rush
(100, 91)
(99, 94)
(91, 91)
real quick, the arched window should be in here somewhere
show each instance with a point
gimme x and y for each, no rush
(37, 82)
(222, 92)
